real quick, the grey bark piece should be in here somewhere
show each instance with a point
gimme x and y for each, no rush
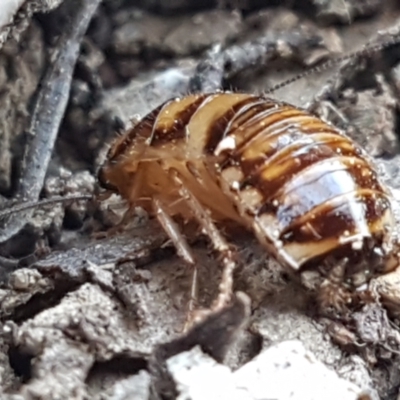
(367, 121)
(282, 372)
(346, 11)
(87, 326)
(284, 319)
(60, 372)
(292, 372)
(23, 284)
(145, 93)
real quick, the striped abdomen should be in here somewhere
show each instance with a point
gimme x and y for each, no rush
(305, 189)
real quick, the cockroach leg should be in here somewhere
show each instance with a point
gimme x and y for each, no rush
(217, 240)
(173, 231)
(333, 296)
(183, 250)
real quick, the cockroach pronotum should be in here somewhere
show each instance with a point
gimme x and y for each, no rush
(308, 192)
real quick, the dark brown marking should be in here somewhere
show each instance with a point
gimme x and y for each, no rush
(292, 161)
(356, 261)
(247, 113)
(301, 152)
(218, 129)
(330, 220)
(317, 187)
(142, 129)
(253, 130)
(175, 132)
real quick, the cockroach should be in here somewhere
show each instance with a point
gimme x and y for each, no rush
(308, 192)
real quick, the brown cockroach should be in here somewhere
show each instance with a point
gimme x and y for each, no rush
(309, 193)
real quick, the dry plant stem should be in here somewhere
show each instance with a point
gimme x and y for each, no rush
(52, 101)
(237, 58)
(253, 53)
(210, 72)
(219, 65)
(49, 110)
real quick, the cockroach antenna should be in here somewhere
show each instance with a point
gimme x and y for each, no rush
(23, 206)
(367, 50)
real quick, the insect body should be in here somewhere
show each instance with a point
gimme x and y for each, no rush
(308, 192)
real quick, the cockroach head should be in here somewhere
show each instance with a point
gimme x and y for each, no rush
(102, 161)
(116, 172)
(110, 159)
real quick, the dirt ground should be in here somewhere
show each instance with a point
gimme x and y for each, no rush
(101, 318)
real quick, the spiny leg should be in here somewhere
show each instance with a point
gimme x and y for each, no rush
(182, 248)
(333, 296)
(217, 241)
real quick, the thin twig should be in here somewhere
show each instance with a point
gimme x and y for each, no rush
(34, 204)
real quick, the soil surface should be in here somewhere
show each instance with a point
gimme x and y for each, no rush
(87, 316)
